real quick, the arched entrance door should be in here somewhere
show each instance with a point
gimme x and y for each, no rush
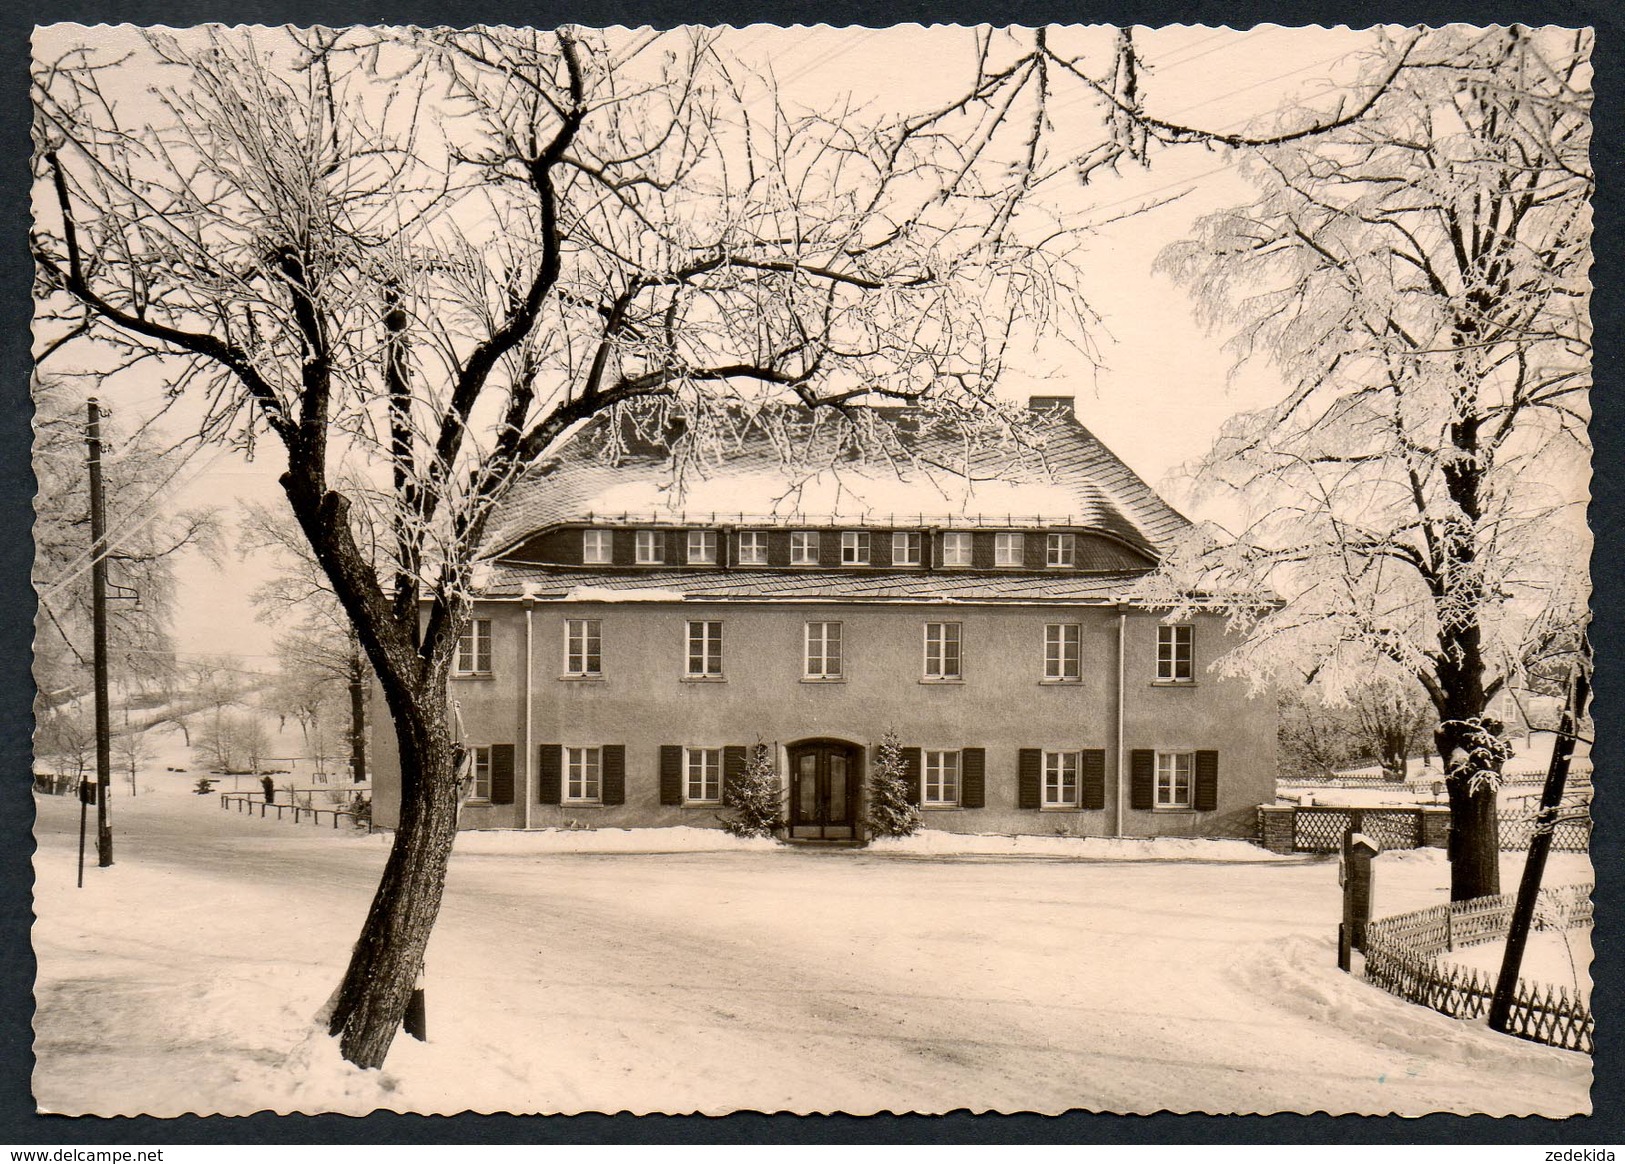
(823, 790)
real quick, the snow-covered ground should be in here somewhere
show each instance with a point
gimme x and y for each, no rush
(187, 977)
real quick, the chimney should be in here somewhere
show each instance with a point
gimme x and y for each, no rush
(1061, 404)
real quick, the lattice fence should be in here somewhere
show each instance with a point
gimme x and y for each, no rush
(1401, 956)
(1320, 830)
(1572, 833)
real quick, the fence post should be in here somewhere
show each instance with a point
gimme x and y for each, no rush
(1354, 872)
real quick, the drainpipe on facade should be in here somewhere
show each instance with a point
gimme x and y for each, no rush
(530, 750)
(1122, 675)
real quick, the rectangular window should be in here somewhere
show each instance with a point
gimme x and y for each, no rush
(1061, 779)
(596, 547)
(705, 650)
(703, 783)
(1174, 654)
(941, 785)
(855, 548)
(1007, 549)
(480, 786)
(1062, 648)
(1174, 779)
(1061, 549)
(474, 648)
(583, 646)
(804, 548)
(702, 547)
(942, 654)
(956, 549)
(823, 650)
(753, 548)
(581, 768)
(905, 549)
(651, 547)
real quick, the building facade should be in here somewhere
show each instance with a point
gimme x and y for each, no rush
(633, 642)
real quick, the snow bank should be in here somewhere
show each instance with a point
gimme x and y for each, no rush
(621, 594)
(679, 839)
(933, 842)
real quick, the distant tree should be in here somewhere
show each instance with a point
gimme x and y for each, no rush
(66, 738)
(754, 797)
(892, 812)
(232, 743)
(1421, 279)
(131, 749)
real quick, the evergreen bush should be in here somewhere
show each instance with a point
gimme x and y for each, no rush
(754, 797)
(891, 812)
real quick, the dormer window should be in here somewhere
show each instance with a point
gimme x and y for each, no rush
(651, 547)
(804, 547)
(1061, 550)
(855, 548)
(905, 549)
(596, 547)
(702, 547)
(956, 549)
(753, 548)
(1007, 549)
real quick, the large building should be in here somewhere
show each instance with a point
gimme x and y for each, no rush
(645, 620)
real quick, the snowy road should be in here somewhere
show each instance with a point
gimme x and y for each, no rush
(718, 981)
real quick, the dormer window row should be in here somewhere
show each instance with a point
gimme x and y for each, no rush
(950, 549)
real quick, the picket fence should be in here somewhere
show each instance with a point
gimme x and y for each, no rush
(1402, 957)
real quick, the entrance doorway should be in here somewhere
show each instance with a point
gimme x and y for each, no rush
(823, 791)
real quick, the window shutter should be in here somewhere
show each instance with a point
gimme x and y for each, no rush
(1029, 776)
(972, 778)
(501, 773)
(778, 547)
(733, 767)
(981, 550)
(613, 786)
(911, 773)
(1207, 781)
(1092, 778)
(671, 774)
(1142, 766)
(829, 547)
(880, 547)
(622, 546)
(550, 774)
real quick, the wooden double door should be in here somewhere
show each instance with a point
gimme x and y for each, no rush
(823, 791)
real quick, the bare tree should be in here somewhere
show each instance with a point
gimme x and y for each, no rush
(1421, 279)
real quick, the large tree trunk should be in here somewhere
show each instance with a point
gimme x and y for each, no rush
(389, 954)
(1473, 784)
(358, 717)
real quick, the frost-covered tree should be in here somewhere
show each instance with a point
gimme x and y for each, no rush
(754, 797)
(892, 812)
(1420, 278)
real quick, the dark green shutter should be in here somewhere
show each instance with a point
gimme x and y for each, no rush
(671, 774)
(911, 772)
(1207, 781)
(972, 778)
(733, 767)
(1142, 769)
(1092, 778)
(501, 773)
(613, 785)
(550, 774)
(981, 550)
(1029, 778)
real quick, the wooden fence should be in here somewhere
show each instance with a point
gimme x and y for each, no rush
(1320, 828)
(249, 802)
(1401, 956)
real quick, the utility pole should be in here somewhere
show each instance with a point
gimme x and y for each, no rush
(98, 609)
(1551, 799)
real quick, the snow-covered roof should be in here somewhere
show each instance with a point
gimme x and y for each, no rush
(509, 580)
(1062, 476)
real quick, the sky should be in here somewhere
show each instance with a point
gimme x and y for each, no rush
(1162, 386)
